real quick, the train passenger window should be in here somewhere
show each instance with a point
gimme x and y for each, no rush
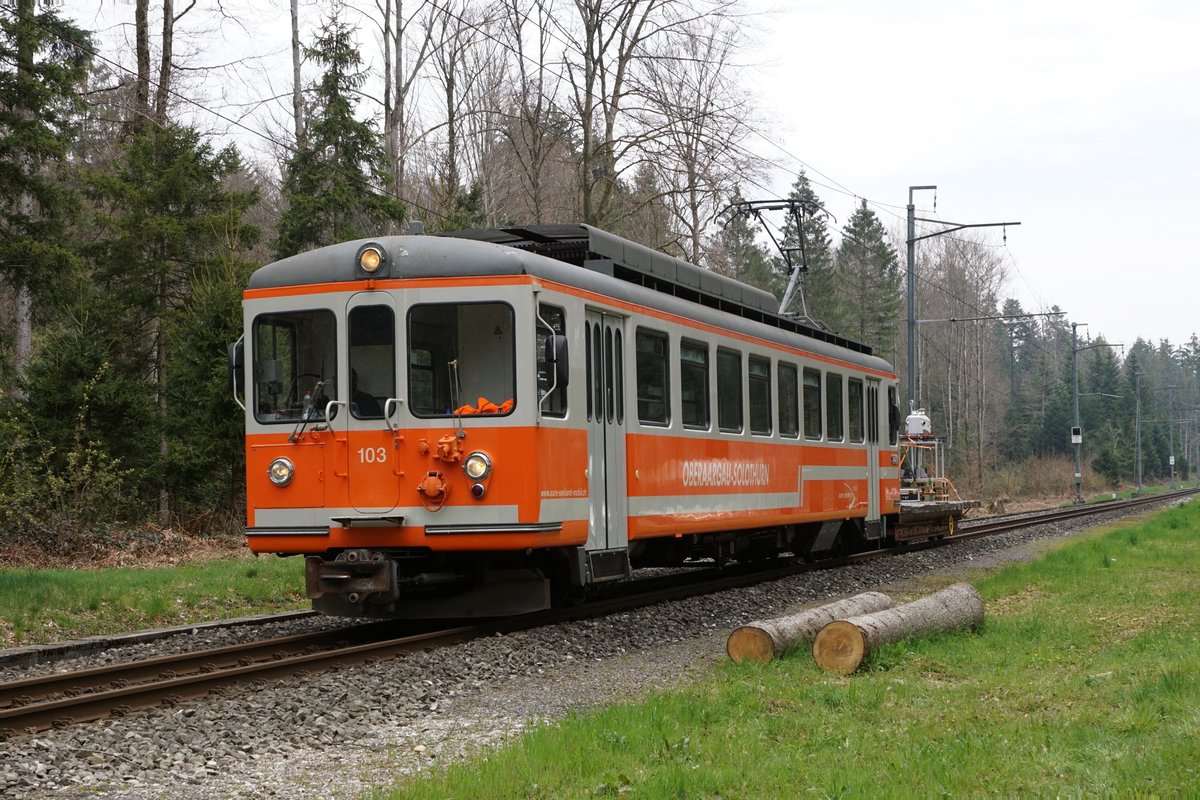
(789, 408)
(854, 397)
(372, 332)
(760, 395)
(812, 404)
(872, 412)
(729, 391)
(461, 359)
(693, 384)
(833, 407)
(652, 400)
(295, 365)
(555, 405)
(619, 361)
(609, 400)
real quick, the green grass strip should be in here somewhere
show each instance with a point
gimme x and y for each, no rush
(1084, 681)
(52, 605)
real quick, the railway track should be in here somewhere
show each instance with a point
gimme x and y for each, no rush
(68, 698)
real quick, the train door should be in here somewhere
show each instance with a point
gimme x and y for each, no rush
(604, 341)
(873, 471)
(371, 470)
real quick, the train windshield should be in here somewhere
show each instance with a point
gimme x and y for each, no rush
(461, 359)
(295, 361)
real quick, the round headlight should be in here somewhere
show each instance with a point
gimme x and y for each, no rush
(477, 466)
(281, 471)
(370, 258)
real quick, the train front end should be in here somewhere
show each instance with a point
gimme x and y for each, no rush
(400, 429)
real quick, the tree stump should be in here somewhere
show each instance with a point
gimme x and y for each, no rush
(843, 645)
(767, 639)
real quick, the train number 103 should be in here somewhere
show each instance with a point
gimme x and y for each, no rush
(372, 455)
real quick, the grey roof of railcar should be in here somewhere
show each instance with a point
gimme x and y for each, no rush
(611, 266)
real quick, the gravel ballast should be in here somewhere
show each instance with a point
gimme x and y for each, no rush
(341, 733)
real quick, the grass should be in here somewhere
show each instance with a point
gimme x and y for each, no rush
(1084, 681)
(50, 605)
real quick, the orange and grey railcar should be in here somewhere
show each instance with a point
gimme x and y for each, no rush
(485, 422)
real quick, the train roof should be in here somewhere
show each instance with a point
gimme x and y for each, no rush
(574, 254)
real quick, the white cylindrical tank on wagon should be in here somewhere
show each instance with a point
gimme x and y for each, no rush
(917, 424)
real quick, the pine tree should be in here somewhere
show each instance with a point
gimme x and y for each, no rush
(869, 281)
(39, 101)
(163, 216)
(329, 182)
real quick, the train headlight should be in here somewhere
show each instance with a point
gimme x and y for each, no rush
(371, 258)
(281, 471)
(477, 466)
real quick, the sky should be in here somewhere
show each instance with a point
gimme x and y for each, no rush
(1078, 119)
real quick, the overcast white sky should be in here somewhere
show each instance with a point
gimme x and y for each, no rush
(1077, 118)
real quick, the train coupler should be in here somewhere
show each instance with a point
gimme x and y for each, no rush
(356, 575)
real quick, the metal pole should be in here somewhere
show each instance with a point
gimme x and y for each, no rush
(1171, 429)
(1075, 393)
(1137, 426)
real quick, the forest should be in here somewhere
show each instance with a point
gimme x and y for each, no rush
(134, 208)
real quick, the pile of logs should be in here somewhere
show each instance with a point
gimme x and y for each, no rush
(844, 633)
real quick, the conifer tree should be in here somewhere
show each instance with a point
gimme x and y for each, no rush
(869, 282)
(163, 215)
(330, 181)
(45, 66)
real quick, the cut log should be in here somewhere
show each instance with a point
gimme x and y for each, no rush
(767, 639)
(843, 645)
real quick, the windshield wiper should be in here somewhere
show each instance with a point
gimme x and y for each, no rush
(310, 408)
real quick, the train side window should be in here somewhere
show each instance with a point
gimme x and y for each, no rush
(693, 384)
(620, 369)
(872, 412)
(461, 359)
(854, 397)
(729, 390)
(812, 404)
(760, 395)
(555, 404)
(789, 408)
(652, 399)
(597, 372)
(893, 416)
(833, 407)
(294, 357)
(372, 332)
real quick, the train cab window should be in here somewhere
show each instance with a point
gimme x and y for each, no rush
(854, 399)
(693, 384)
(652, 400)
(552, 398)
(760, 395)
(729, 391)
(833, 407)
(789, 402)
(295, 365)
(812, 404)
(461, 359)
(372, 331)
